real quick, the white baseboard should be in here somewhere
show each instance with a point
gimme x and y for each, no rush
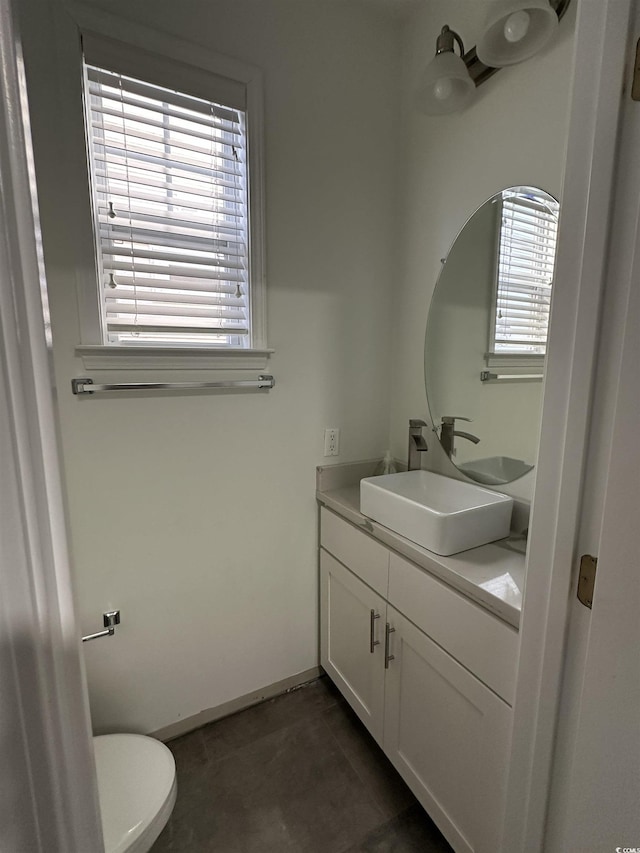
(182, 727)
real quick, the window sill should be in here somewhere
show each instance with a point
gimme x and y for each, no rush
(95, 357)
(511, 361)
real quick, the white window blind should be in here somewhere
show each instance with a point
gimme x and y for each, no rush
(526, 257)
(169, 184)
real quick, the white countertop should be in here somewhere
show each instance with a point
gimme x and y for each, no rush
(492, 575)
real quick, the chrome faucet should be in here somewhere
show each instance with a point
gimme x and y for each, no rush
(417, 444)
(448, 433)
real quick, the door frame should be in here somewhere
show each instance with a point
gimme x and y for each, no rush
(46, 732)
(598, 76)
(596, 786)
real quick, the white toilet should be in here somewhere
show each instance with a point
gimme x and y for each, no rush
(136, 788)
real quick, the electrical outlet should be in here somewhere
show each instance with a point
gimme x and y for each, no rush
(331, 442)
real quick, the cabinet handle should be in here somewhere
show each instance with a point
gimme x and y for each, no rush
(372, 630)
(387, 656)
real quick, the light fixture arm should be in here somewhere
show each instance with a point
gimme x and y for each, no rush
(446, 39)
(478, 71)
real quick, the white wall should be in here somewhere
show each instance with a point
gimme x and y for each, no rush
(195, 514)
(513, 133)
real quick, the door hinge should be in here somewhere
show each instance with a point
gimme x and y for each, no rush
(635, 85)
(587, 579)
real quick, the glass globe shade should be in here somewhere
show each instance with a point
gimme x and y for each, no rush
(515, 30)
(445, 86)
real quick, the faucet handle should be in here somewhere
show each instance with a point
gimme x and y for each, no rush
(451, 419)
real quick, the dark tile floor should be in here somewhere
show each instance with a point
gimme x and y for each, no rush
(297, 773)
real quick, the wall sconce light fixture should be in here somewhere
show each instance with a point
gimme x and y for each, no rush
(514, 30)
(446, 85)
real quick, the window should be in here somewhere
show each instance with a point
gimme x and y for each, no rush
(525, 270)
(176, 222)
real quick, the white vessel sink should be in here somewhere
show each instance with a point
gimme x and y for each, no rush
(443, 515)
(495, 470)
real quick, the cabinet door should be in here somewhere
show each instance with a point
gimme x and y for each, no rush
(448, 736)
(351, 640)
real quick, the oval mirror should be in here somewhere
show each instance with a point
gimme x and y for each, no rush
(486, 336)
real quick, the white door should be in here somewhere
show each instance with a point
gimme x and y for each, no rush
(600, 792)
(48, 799)
(448, 736)
(352, 640)
(605, 787)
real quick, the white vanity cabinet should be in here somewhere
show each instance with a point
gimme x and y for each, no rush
(431, 694)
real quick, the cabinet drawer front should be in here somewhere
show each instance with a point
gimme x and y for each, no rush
(448, 736)
(359, 552)
(481, 642)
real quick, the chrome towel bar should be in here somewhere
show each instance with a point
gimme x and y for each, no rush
(109, 619)
(86, 386)
(486, 376)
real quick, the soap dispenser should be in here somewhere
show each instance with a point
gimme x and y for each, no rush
(387, 465)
